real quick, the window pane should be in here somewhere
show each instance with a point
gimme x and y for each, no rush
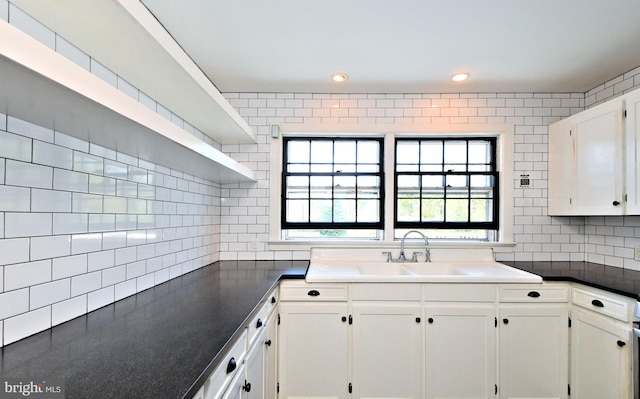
(344, 211)
(320, 211)
(321, 151)
(481, 210)
(345, 152)
(456, 181)
(297, 211)
(408, 209)
(368, 152)
(431, 154)
(433, 210)
(298, 168)
(407, 152)
(368, 186)
(298, 151)
(455, 152)
(368, 211)
(321, 186)
(408, 184)
(457, 210)
(344, 168)
(344, 187)
(479, 152)
(431, 181)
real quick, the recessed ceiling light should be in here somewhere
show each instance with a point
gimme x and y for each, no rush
(459, 77)
(339, 77)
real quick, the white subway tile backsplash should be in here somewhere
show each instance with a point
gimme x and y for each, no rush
(102, 185)
(28, 129)
(50, 201)
(86, 203)
(100, 298)
(15, 199)
(69, 223)
(52, 155)
(66, 180)
(69, 266)
(115, 169)
(102, 222)
(113, 240)
(67, 310)
(26, 274)
(26, 324)
(85, 283)
(49, 293)
(50, 247)
(18, 224)
(87, 163)
(84, 243)
(14, 302)
(101, 260)
(15, 147)
(125, 289)
(24, 174)
(114, 275)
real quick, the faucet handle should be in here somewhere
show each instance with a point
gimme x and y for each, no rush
(414, 257)
(389, 257)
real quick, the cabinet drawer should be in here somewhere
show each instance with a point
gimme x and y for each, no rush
(272, 300)
(257, 323)
(228, 367)
(534, 293)
(460, 292)
(602, 303)
(385, 292)
(302, 291)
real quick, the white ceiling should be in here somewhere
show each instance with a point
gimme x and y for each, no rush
(406, 46)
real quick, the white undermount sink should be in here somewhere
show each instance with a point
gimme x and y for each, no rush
(447, 266)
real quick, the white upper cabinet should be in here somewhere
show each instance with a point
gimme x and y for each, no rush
(593, 160)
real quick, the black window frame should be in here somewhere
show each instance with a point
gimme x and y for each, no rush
(450, 225)
(286, 225)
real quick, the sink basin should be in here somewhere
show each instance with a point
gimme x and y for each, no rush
(478, 269)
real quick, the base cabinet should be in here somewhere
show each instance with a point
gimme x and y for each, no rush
(387, 350)
(313, 350)
(460, 353)
(600, 358)
(534, 349)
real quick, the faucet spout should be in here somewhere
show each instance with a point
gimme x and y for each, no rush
(426, 243)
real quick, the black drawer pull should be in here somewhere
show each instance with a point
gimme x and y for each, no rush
(267, 342)
(232, 365)
(313, 293)
(597, 303)
(621, 343)
(533, 294)
(273, 299)
(259, 323)
(430, 320)
(247, 386)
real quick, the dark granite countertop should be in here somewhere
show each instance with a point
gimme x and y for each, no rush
(615, 279)
(155, 344)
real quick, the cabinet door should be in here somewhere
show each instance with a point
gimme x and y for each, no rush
(560, 169)
(534, 352)
(598, 162)
(313, 350)
(387, 350)
(271, 357)
(255, 369)
(600, 358)
(460, 352)
(632, 140)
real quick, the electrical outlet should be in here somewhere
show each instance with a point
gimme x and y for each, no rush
(253, 245)
(636, 255)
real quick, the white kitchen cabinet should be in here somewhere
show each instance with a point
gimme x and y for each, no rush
(600, 353)
(533, 340)
(387, 350)
(533, 352)
(632, 146)
(460, 353)
(586, 162)
(313, 350)
(237, 386)
(271, 357)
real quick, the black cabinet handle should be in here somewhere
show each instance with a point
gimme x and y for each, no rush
(232, 365)
(313, 293)
(430, 320)
(273, 299)
(597, 303)
(267, 342)
(344, 319)
(259, 323)
(616, 203)
(505, 321)
(418, 320)
(621, 343)
(247, 386)
(533, 294)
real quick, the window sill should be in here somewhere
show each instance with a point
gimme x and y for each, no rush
(306, 245)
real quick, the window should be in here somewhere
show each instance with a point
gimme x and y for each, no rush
(447, 186)
(332, 187)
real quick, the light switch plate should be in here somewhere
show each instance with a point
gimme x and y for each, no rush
(636, 254)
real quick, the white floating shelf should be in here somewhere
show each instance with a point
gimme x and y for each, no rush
(41, 86)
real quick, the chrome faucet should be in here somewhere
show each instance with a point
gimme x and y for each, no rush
(414, 258)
